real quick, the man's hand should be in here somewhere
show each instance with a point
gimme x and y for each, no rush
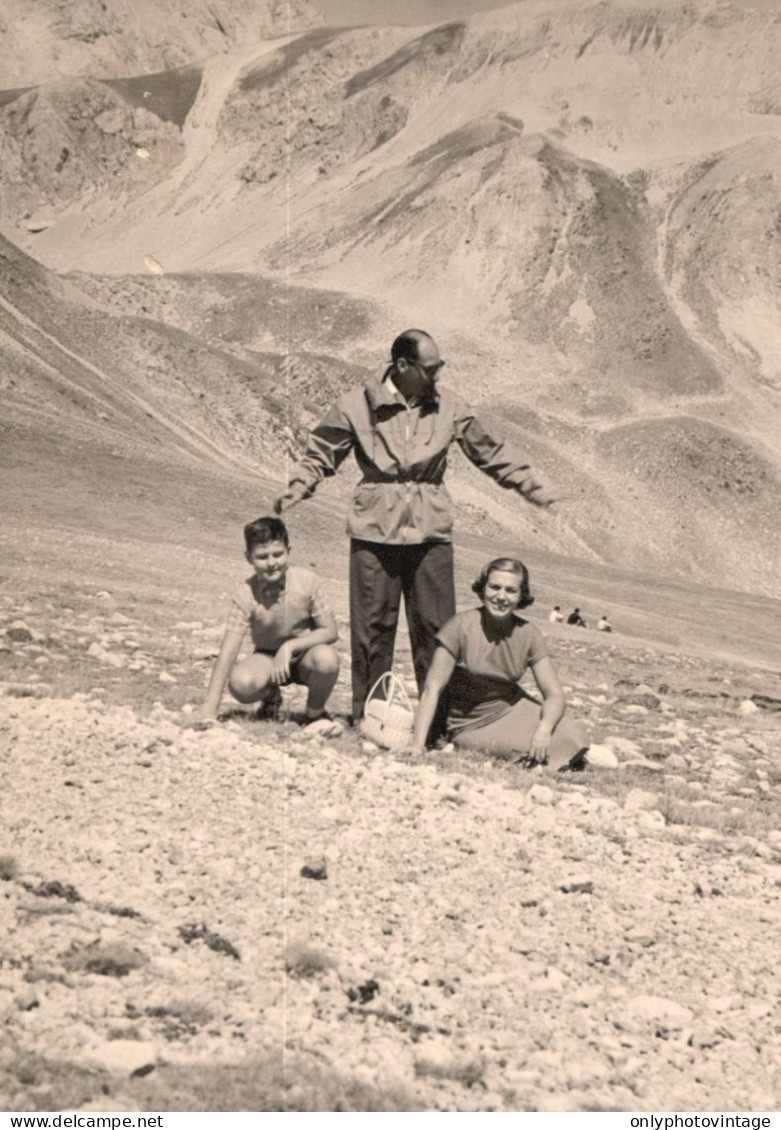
(540, 496)
(286, 501)
(280, 664)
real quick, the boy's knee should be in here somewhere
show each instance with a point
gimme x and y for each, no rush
(242, 685)
(323, 659)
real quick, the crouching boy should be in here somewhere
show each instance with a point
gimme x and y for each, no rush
(292, 627)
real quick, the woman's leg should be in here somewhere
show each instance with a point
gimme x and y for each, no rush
(249, 679)
(511, 735)
(318, 670)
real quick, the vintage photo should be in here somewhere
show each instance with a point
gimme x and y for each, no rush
(390, 604)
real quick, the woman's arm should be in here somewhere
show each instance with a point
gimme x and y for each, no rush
(553, 706)
(442, 666)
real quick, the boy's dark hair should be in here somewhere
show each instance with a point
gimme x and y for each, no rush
(264, 530)
(505, 565)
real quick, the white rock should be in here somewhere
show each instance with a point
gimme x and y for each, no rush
(120, 1055)
(643, 763)
(601, 756)
(623, 745)
(660, 1010)
(166, 677)
(651, 820)
(638, 799)
(541, 794)
(748, 707)
(323, 728)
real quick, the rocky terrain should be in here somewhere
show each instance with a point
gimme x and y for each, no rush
(181, 905)
(244, 917)
(213, 220)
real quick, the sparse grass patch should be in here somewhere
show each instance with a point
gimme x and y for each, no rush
(466, 1070)
(118, 911)
(305, 960)
(180, 1018)
(28, 690)
(199, 931)
(745, 820)
(264, 1084)
(31, 1082)
(9, 868)
(112, 959)
(54, 889)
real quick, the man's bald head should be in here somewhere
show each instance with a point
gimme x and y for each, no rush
(416, 362)
(407, 345)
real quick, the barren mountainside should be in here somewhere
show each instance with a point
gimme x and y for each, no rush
(580, 201)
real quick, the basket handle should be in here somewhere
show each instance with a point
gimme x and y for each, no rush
(394, 684)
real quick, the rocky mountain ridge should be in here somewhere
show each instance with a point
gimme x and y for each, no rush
(581, 204)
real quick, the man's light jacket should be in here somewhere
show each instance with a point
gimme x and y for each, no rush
(402, 451)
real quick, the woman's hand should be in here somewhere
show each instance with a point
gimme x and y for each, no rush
(280, 664)
(540, 744)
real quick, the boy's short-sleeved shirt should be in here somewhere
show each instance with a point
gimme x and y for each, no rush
(489, 665)
(275, 617)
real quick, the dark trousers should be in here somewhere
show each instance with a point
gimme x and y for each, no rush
(379, 574)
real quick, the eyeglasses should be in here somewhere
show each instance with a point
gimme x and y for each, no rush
(428, 370)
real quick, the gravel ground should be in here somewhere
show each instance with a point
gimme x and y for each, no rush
(177, 900)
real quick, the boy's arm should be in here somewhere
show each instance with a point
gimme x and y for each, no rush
(223, 665)
(325, 631)
(328, 446)
(489, 454)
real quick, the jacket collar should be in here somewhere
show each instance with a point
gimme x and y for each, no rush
(381, 392)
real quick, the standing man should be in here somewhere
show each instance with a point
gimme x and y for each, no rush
(401, 425)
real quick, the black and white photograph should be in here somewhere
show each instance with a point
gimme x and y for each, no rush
(390, 560)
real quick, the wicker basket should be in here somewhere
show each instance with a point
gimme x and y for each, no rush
(387, 722)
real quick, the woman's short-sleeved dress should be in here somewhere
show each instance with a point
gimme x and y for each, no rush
(488, 708)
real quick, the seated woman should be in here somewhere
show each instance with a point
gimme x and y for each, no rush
(481, 655)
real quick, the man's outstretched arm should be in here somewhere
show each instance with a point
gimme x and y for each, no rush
(493, 457)
(327, 447)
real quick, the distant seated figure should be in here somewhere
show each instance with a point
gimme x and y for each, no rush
(555, 615)
(576, 618)
(602, 625)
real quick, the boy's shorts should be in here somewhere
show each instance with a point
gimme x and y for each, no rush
(294, 676)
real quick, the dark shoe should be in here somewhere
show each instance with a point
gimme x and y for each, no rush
(270, 708)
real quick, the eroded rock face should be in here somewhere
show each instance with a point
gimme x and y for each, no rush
(70, 137)
(54, 38)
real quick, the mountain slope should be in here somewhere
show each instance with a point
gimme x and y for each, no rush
(580, 201)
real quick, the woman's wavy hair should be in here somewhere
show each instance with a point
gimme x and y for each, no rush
(505, 565)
